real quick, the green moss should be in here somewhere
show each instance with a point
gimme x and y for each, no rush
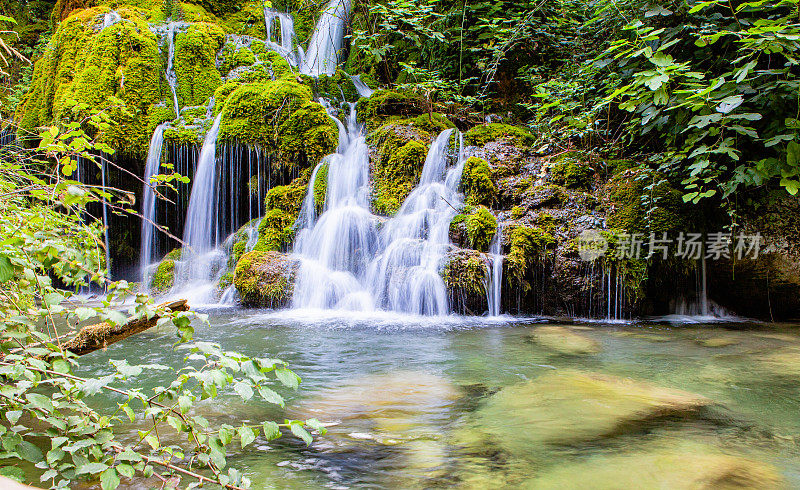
(195, 63)
(164, 276)
(385, 103)
(527, 245)
(282, 205)
(517, 212)
(481, 227)
(485, 133)
(546, 222)
(572, 172)
(643, 201)
(308, 135)
(321, 186)
(476, 181)
(222, 93)
(394, 180)
(547, 195)
(261, 114)
(235, 56)
(334, 86)
(264, 278)
(159, 113)
(84, 71)
(465, 272)
(184, 135)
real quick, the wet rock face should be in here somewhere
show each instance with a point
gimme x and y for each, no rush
(265, 279)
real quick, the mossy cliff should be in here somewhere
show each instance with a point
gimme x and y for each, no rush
(85, 70)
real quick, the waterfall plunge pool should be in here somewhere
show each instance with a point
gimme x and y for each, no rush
(479, 402)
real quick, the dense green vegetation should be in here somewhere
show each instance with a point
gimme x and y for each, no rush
(645, 118)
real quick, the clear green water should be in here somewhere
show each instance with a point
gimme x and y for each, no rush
(418, 402)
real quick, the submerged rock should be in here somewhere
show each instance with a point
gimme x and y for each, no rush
(782, 362)
(265, 278)
(573, 407)
(715, 342)
(565, 341)
(386, 409)
(688, 466)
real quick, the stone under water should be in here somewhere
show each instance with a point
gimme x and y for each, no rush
(570, 407)
(564, 341)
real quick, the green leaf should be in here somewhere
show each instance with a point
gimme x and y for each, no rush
(244, 390)
(109, 480)
(40, 401)
(270, 396)
(29, 452)
(288, 378)
(91, 468)
(271, 430)
(298, 430)
(247, 435)
(6, 269)
(126, 470)
(13, 473)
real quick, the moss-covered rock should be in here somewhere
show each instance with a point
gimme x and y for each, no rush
(265, 278)
(308, 135)
(164, 277)
(572, 172)
(527, 246)
(282, 205)
(477, 183)
(235, 56)
(481, 228)
(643, 201)
(386, 103)
(397, 162)
(465, 272)
(195, 63)
(485, 133)
(280, 117)
(85, 70)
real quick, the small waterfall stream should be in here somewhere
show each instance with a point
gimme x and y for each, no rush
(149, 203)
(172, 77)
(322, 55)
(201, 261)
(494, 279)
(283, 41)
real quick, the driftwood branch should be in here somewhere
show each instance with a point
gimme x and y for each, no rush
(99, 336)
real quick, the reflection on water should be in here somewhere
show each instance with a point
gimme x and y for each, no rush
(477, 402)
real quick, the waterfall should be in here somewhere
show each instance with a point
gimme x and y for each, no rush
(105, 216)
(494, 279)
(283, 45)
(149, 202)
(346, 263)
(406, 275)
(322, 55)
(361, 87)
(110, 18)
(201, 261)
(172, 77)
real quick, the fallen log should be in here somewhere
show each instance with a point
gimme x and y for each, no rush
(99, 336)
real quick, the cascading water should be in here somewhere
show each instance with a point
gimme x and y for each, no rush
(346, 263)
(405, 276)
(201, 261)
(149, 202)
(172, 77)
(323, 53)
(494, 279)
(361, 87)
(110, 18)
(283, 45)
